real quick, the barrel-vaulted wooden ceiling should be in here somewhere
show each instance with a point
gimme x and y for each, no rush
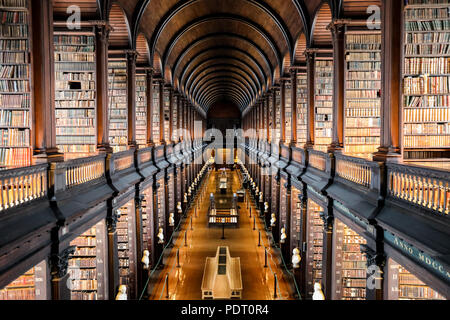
(213, 50)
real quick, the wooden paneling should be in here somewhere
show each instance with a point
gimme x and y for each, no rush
(119, 37)
(88, 8)
(142, 49)
(322, 36)
(300, 48)
(358, 7)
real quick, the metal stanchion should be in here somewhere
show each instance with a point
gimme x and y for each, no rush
(185, 238)
(275, 281)
(178, 257)
(191, 224)
(265, 257)
(254, 223)
(167, 286)
(259, 238)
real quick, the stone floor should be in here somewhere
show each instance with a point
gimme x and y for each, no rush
(185, 281)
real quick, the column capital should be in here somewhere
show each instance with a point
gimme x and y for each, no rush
(111, 221)
(328, 221)
(373, 257)
(60, 262)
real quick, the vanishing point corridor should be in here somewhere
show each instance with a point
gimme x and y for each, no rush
(185, 281)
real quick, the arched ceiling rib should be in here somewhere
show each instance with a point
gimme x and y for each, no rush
(227, 46)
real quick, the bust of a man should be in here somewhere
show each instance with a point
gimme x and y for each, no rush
(273, 220)
(318, 293)
(122, 294)
(171, 220)
(296, 258)
(283, 235)
(185, 197)
(160, 235)
(146, 259)
(266, 206)
(179, 207)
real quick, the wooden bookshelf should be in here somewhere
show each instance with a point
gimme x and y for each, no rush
(350, 264)
(296, 218)
(75, 93)
(288, 111)
(87, 266)
(15, 84)
(426, 79)
(323, 105)
(314, 236)
(156, 103)
(126, 247)
(302, 108)
(175, 118)
(29, 286)
(403, 285)
(271, 119)
(161, 205)
(362, 93)
(278, 115)
(118, 103)
(141, 110)
(147, 210)
(166, 114)
(171, 194)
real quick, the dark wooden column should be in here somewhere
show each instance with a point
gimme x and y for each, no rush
(327, 254)
(376, 263)
(113, 265)
(102, 31)
(161, 113)
(59, 264)
(268, 106)
(44, 145)
(391, 53)
(149, 93)
(179, 117)
(302, 280)
(310, 62)
(287, 245)
(170, 116)
(274, 112)
(131, 69)
(283, 111)
(294, 107)
(337, 29)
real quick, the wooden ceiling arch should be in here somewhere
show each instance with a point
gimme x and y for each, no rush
(225, 93)
(224, 84)
(222, 55)
(142, 50)
(256, 40)
(221, 96)
(320, 35)
(215, 65)
(221, 80)
(240, 79)
(222, 24)
(120, 36)
(300, 48)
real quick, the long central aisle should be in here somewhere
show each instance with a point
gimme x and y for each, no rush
(185, 281)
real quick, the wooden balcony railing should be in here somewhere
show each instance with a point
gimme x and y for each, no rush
(122, 160)
(424, 187)
(68, 174)
(317, 160)
(22, 185)
(356, 170)
(83, 170)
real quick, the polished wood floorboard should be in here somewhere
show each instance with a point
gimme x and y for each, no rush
(185, 281)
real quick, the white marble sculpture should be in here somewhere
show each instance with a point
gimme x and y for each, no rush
(160, 235)
(122, 294)
(146, 260)
(296, 258)
(283, 235)
(273, 220)
(318, 293)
